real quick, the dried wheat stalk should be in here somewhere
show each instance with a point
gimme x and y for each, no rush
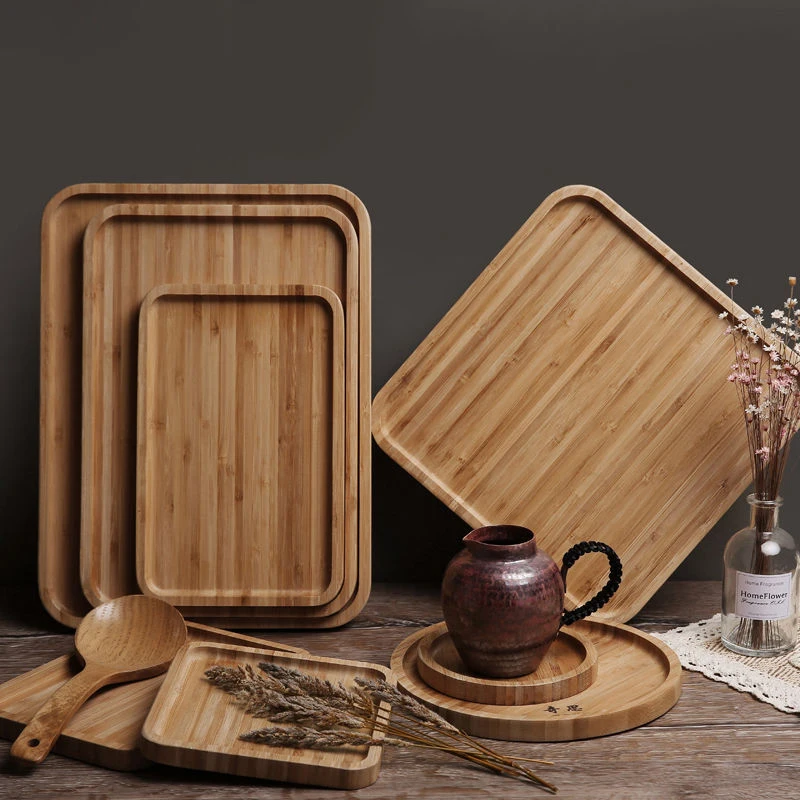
(315, 713)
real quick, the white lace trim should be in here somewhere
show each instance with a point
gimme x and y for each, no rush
(774, 680)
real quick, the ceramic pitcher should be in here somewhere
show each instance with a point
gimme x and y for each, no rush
(503, 599)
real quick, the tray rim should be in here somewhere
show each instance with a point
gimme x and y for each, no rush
(59, 502)
(343, 608)
(643, 710)
(256, 291)
(160, 751)
(381, 427)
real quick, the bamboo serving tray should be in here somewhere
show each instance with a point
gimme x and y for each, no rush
(130, 249)
(638, 679)
(578, 388)
(240, 474)
(106, 729)
(196, 725)
(63, 225)
(569, 667)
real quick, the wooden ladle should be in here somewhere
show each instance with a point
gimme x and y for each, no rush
(126, 639)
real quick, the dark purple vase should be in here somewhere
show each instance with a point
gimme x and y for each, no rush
(503, 599)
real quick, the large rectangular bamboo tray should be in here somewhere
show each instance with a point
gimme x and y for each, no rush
(196, 725)
(63, 226)
(240, 466)
(106, 730)
(578, 388)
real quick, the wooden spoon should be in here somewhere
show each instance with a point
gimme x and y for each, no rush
(126, 639)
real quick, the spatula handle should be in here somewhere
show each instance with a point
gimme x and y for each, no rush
(40, 734)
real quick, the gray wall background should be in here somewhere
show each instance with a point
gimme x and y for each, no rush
(451, 119)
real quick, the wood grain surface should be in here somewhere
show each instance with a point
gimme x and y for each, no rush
(638, 679)
(569, 667)
(194, 724)
(128, 639)
(106, 730)
(241, 428)
(130, 249)
(578, 388)
(63, 225)
(714, 743)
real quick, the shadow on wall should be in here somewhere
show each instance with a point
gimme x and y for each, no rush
(414, 534)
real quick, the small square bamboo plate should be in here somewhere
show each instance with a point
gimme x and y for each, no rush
(194, 724)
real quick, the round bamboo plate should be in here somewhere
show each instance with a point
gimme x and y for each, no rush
(569, 667)
(638, 679)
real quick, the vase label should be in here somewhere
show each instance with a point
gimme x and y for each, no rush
(763, 596)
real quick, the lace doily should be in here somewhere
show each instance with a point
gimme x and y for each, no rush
(774, 680)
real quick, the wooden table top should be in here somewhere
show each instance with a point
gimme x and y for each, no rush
(716, 742)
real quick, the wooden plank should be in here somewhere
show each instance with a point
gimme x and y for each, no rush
(723, 762)
(680, 602)
(715, 742)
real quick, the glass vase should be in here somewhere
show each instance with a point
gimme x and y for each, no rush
(759, 587)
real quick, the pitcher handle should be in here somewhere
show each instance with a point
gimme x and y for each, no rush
(606, 593)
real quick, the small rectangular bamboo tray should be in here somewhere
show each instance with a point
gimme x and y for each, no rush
(196, 725)
(240, 474)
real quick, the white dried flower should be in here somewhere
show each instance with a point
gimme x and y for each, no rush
(732, 282)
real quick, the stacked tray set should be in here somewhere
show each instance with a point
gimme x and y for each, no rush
(205, 402)
(205, 440)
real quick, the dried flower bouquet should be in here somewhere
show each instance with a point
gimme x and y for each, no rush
(768, 387)
(310, 712)
(766, 374)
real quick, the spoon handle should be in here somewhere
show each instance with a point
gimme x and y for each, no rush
(40, 734)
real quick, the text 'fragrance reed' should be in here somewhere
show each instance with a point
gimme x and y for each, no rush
(759, 590)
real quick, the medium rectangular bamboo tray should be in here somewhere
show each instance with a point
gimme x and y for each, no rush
(579, 388)
(127, 251)
(63, 226)
(240, 475)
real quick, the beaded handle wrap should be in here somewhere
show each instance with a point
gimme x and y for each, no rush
(605, 594)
